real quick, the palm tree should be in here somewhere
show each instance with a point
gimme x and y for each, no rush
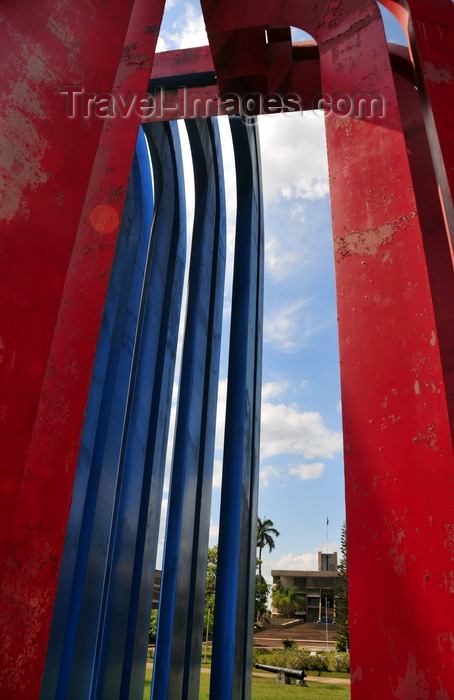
(286, 599)
(265, 531)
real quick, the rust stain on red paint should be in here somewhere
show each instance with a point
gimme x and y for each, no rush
(117, 193)
(133, 57)
(152, 29)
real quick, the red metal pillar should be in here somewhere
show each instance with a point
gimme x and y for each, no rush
(430, 27)
(398, 444)
(436, 243)
(63, 183)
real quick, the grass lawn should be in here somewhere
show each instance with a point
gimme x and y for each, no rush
(268, 689)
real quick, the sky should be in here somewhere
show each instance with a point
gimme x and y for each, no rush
(301, 459)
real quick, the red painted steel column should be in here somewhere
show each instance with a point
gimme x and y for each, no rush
(430, 26)
(63, 182)
(435, 241)
(398, 445)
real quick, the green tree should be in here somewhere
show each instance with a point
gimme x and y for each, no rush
(153, 626)
(261, 591)
(210, 590)
(265, 532)
(343, 636)
(286, 599)
(262, 588)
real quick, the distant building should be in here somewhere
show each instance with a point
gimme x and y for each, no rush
(156, 589)
(318, 588)
(327, 562)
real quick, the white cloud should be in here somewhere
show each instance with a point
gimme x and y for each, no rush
(283, 327)
(162, 527)
(187, 31)
(304, 562)
(267, 472)
(307, 471)
(290, 326)
(294, 163)
(272, 389)
(220, 414)
(286, 430)
(217, 473)
(214, 530)
(298, 212)
(280, 259)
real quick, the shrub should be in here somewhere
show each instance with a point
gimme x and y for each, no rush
(289, 643)
(342, 642)
(342, 662)
(318, 662)
(258, 654)
(288, 658)
(295, 658)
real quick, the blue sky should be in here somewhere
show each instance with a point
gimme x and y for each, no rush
(301, 469)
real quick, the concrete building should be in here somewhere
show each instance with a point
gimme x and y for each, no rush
(317, 588)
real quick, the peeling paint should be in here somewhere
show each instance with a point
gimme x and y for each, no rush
(26, 93)
(363, 243)
(387, 258)
(442, 694)
(369, 242)
(131, 56)
(417, 388)
(117, 193)
(20, 165)
(449, 540)
(152, 29)
(428, 439)
(446, 642)
(398, 557)
(414, 684)
(22, 147)
(68, 38)
(357, 674)
(437, 75)
(448, 581)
